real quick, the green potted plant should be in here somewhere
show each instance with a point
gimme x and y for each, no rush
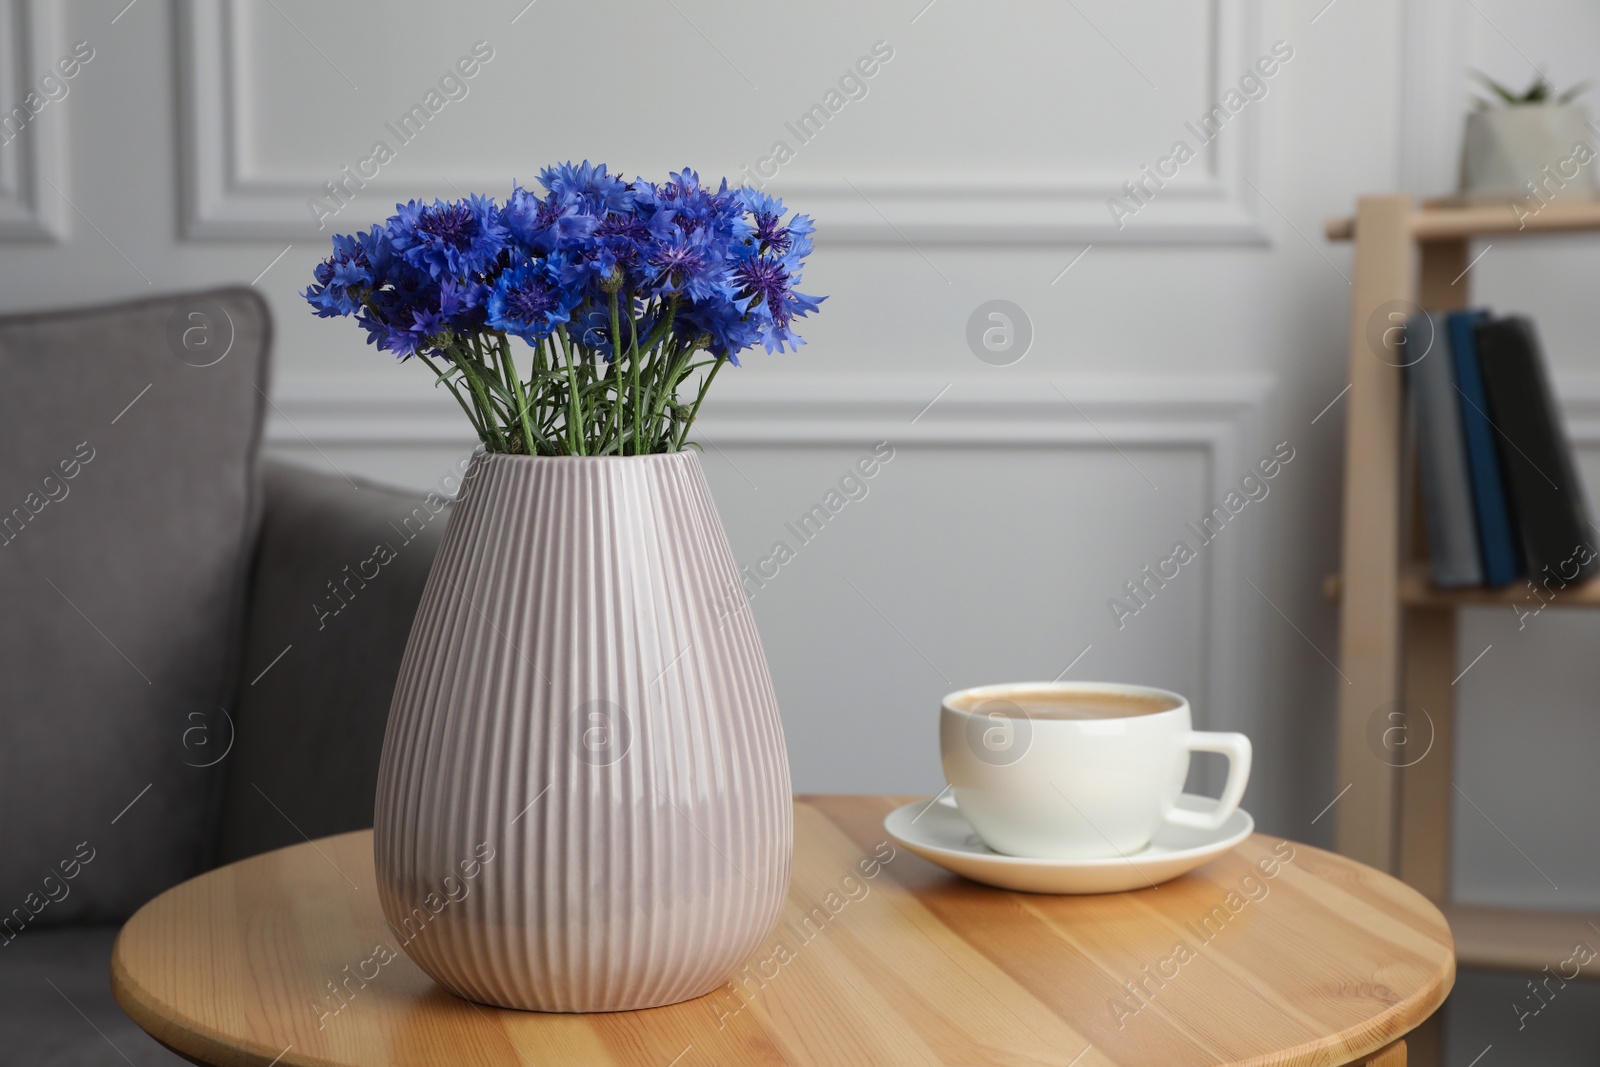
(1530, 143)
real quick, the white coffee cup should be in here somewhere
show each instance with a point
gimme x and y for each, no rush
(1076, 788)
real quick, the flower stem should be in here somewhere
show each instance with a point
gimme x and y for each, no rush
(694, 412)
(528, 435)
(616, 370)
(575, 412)
(490, 434)
(633, 388)
(665, 325)
(472, 414)
(662, 369)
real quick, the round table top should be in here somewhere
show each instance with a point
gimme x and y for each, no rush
(1275, 953)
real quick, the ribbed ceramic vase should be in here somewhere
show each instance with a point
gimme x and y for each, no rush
(584, 798)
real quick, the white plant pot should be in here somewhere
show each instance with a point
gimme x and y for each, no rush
(584, 801)
(1506, 148)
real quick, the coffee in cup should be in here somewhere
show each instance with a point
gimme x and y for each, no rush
(1078, 770)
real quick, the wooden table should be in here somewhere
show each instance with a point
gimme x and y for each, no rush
(1276, 953)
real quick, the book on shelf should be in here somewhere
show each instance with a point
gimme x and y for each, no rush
(1501, 491)
(1435, 411)
(1496, 534)
(1536, 459)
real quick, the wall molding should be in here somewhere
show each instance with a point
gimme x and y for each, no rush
(31, 41)
(221, 200)
(346, 409)
(1217, 416)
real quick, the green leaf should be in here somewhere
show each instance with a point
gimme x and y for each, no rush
(1539, 92)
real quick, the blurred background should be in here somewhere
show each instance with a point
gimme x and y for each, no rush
(1167, 336)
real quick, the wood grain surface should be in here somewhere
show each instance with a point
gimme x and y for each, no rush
(1450, 217)
(1277, 953)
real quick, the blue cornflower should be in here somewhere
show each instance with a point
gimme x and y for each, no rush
(722, 319)
(390, 311)
(627, 238)
(545, 225)
(800, 229)
(456, 306)
(448, 239)
(625, 227)
(529, 302)
(342, 279)
(583, 269)
(765, 228)
(692, 206)
(588, 187)
(768, 285)
(688, 263)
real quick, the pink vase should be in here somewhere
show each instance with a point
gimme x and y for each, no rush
(584, 798)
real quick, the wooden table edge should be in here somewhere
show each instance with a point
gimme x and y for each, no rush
(201, 1044)
(195, 1041)
(185, 1036)
(1382, 1027)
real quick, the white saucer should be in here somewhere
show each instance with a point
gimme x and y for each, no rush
(938, 833)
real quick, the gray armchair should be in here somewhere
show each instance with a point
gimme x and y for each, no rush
(197, 651)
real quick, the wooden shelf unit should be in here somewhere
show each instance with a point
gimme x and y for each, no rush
(1520, 939)
(1416, 589)
(1397, 631)
(1444, 220)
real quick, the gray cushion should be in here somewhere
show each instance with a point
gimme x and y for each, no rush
(127, 510)
(56, 1008)
(310, 729)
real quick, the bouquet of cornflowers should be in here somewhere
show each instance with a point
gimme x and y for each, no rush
(622, 291)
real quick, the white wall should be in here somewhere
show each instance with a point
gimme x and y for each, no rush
(1171, 356)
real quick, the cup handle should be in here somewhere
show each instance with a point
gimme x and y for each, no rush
(1237, 748)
